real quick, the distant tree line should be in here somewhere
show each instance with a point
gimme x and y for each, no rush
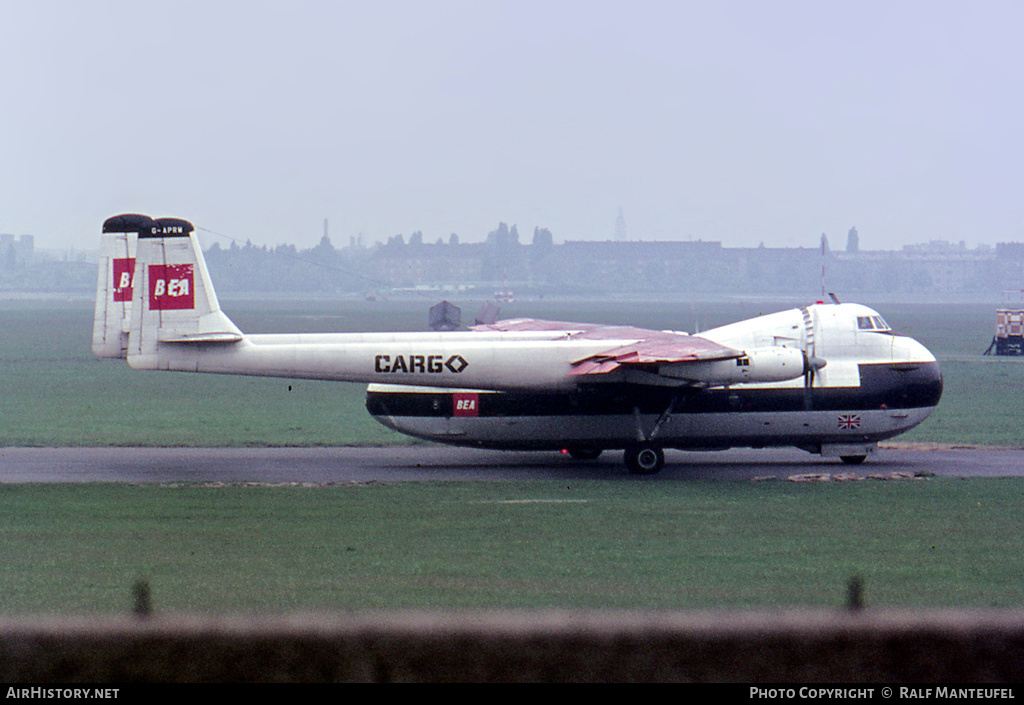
(504, 261)
(628, 267)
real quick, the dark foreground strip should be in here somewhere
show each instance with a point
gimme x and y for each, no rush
(854, 646)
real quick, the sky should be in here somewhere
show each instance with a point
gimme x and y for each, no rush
(743, 121)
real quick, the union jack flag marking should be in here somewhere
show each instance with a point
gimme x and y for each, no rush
(849, 421)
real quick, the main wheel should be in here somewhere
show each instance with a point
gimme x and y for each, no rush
(585, 453)
(644, 459)
(853, 459)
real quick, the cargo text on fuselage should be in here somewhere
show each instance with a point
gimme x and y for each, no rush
(425, 364)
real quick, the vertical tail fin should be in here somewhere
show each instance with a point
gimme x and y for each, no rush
(114, 284)
(173, 298)
(153, 292)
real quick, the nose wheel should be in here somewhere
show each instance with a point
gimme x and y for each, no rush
(644, 459)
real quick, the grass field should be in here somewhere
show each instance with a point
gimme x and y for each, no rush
(620, 543)
(512, 545)
(54, 393)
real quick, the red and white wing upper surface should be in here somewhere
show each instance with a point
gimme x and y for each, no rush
(646, 347)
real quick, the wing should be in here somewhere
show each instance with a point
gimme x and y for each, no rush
(537, 324)
(648, 350)
(649, 353)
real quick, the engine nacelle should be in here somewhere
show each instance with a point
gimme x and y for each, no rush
(772, 364)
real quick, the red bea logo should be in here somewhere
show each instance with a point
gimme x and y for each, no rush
(123, 270)
(171, 286)
(465, 404)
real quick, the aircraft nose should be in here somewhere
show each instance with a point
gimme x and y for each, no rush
(925, 374)
(933, 379)
(910, 350)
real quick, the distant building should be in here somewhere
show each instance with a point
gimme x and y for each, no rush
(620, 227)
(677, 268)
(852, 241)
(1011, 251)
(16, 251)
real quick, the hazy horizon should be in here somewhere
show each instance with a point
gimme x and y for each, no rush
(739, 122)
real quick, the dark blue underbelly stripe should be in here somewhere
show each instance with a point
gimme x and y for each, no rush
(883, 386)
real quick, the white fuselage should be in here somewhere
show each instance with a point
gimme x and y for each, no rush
(500, 361)
(873, 385)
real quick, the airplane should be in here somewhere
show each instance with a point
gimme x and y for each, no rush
(830, 378)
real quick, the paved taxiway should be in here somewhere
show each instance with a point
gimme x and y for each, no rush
(424, 463)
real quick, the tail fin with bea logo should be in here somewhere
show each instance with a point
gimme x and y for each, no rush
(153, 288)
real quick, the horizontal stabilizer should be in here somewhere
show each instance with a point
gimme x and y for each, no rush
(225, 337)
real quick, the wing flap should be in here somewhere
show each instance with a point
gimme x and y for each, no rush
(653, 351)
(594, 367)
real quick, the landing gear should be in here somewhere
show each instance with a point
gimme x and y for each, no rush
(849, 453)
(644, 459)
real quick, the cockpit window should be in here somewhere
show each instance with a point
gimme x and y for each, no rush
(872, 323)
